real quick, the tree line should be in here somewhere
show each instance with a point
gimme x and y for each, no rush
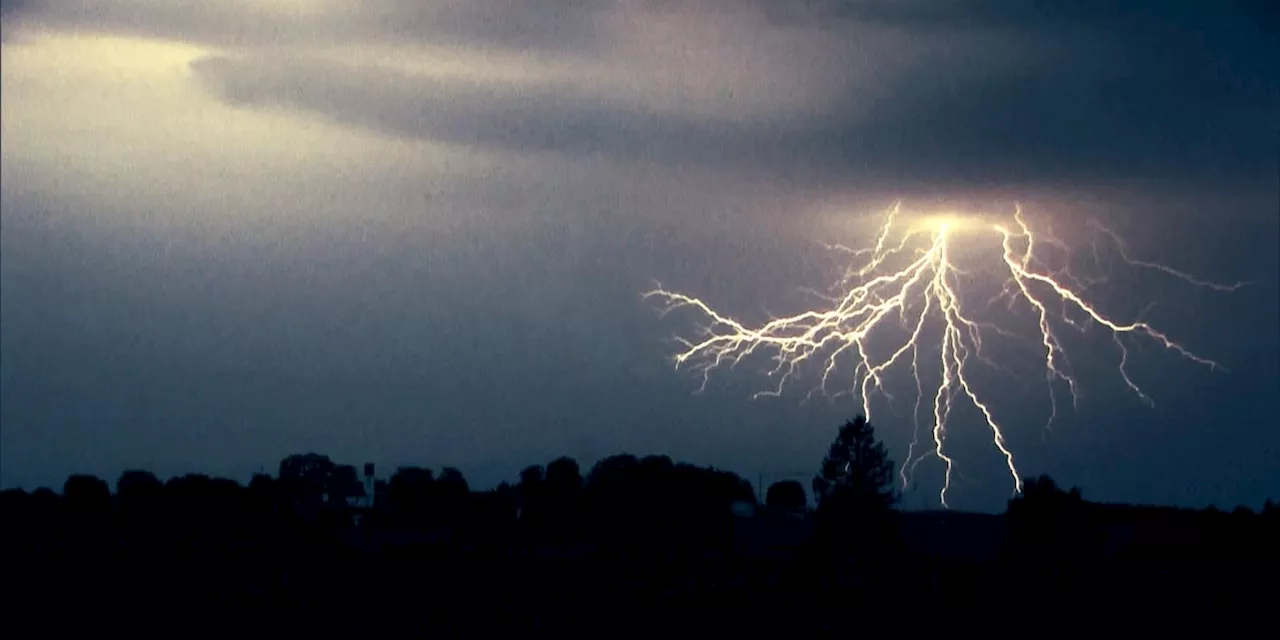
(314, 546)
(552, 502)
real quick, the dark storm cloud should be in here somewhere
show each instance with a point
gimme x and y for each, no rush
(190, 21)
(10, 9)
(1050, 94)
(1076, 119)
(561, 25)
(1137, 89)
(511, 117)
(1041, 15)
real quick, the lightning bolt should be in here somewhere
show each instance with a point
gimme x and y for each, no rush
(872, 294)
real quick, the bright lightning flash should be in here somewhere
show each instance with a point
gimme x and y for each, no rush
(872, 294)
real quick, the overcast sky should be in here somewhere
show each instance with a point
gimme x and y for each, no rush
(412, 231)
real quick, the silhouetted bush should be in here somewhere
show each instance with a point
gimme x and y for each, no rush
(786, 495)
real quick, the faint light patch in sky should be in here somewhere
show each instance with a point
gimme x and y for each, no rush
(122, 124)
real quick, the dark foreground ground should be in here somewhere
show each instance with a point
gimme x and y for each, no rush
(762, 575)
(636, 548)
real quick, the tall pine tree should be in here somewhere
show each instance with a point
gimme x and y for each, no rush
(855, 494)
(857, 471)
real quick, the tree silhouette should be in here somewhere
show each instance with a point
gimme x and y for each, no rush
(529, 499)
(650, 538)
(452, 480)
(86, 490)
(857, 469)
(551, 499)
(856, 533)
(344, 485)
(409, 496)
(263, 497)
(305, 480)
(564, 479)
(88, 498)
(452, 493)
(786, 495)
(1043, 510)
(1051, 534)
(139, 495)
(139, 489)
(656, 501)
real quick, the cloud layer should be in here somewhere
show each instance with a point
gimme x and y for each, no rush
(288, 223)
(977, 92)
